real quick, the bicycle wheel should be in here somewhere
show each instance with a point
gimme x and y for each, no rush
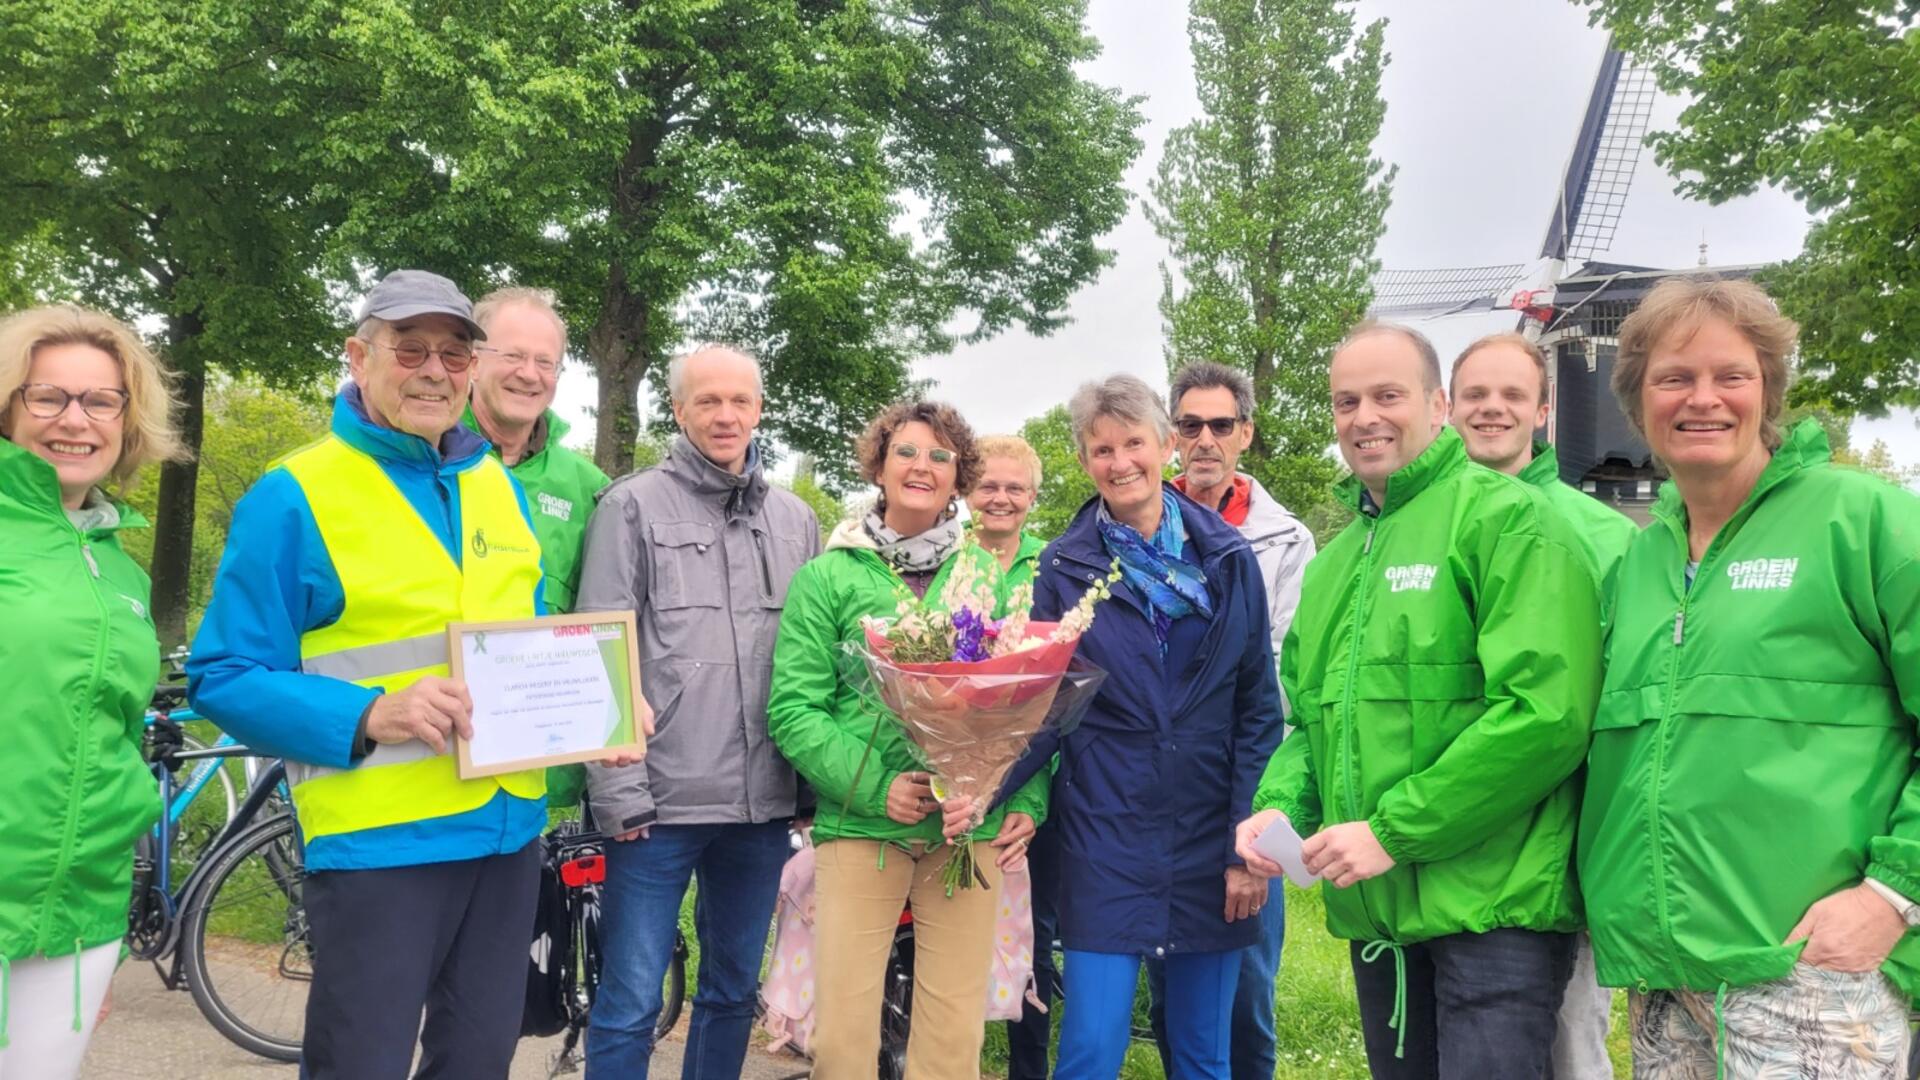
(896, 1006)
(248, 956)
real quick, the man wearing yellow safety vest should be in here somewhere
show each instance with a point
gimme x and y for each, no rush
(325, 644)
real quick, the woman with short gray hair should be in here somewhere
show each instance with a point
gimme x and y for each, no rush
(1166, 760)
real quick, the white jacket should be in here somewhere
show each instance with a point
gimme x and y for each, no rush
(1282, 545)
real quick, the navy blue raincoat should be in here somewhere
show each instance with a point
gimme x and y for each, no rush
(1165, 763)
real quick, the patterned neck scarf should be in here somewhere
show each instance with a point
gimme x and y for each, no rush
(920, 554)
(1172, 587)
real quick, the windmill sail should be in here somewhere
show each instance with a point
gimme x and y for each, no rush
(1594, 189)
(1586, 212)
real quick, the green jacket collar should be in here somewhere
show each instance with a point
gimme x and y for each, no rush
(1544, 469)
(1804, 447)
(1444, 457)
(29, 478)
(547, 432)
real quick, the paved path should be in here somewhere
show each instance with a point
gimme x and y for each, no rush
(155, 1034)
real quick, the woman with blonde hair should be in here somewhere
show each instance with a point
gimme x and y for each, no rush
(82, 402)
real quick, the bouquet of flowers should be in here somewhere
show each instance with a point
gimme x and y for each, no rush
(970, 692)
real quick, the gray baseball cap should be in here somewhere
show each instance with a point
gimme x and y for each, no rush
(404, 294)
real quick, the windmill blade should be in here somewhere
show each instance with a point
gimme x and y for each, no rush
(1593, 191)
(1410, 293)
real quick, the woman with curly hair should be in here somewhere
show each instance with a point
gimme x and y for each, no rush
(881, 834)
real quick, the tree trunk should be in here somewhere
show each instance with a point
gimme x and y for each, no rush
(172, 568)
(622, 344)
(618, 348)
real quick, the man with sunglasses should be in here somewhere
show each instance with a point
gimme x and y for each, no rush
(325, 644)
(1212, 407)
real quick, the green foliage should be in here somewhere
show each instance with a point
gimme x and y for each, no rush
(249, 427)
(1064, 485)
(829, 184)
(1271, 204)
(806, 484)
(1822, 100)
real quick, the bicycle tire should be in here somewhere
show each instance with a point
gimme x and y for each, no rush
(265, 859)
(896, 1006)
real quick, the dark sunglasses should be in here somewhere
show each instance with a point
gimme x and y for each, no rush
(456, 357)
(1221, 426)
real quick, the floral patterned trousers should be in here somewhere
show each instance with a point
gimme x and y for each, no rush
(1812, 1025)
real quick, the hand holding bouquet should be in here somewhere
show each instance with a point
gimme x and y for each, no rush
(971, 692)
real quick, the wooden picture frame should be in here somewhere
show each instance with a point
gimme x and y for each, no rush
(622, 678)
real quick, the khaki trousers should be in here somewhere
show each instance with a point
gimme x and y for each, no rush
(859, 890)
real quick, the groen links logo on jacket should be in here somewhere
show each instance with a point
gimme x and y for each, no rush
(555, 506)
(1762, 573)
(480, 546)
(1417, 576)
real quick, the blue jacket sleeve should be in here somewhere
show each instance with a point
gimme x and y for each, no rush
(274, 584)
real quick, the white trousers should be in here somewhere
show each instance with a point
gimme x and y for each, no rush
(41, 1043)
(1580, 1045)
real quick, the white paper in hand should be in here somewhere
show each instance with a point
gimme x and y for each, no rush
(1281, 844)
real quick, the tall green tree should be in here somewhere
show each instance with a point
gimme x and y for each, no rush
(842, 185)
(176, 164)
(1271, 204)
(1823, 100)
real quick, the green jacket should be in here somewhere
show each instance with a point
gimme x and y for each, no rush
(1602, 532)
(1442, 667)
(79, 659)
(816, 717)
(1026, 563)
(1754, 747)
(561, 486)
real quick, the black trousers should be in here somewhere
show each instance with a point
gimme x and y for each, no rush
(1478, 1006)
(448, 938)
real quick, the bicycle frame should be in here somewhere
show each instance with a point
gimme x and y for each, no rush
(202, 775)
(173, 900)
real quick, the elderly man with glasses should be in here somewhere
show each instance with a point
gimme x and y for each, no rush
(326, 644)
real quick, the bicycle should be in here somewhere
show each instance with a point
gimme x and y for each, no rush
(564, 973)
(233, 931)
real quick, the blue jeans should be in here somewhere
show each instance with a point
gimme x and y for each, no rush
(739, 873)
(1253, 1054)
(1098, 1022)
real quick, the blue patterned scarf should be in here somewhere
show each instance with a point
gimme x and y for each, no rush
(1172, 587)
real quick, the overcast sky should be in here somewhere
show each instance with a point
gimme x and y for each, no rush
(1484, 98)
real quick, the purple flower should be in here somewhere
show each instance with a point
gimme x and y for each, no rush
(969, 636)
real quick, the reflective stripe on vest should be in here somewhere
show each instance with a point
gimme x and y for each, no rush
(401, 589)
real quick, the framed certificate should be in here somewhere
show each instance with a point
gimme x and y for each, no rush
(547, 691)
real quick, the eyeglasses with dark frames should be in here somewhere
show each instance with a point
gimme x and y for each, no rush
(1221, 426)
(455, 357)
(48, 401)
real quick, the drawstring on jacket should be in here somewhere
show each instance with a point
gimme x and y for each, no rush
(77, 949)
(1398, 1021)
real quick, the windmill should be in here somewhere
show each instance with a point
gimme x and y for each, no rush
(1564, 298)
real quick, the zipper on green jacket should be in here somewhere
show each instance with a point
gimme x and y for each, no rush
(1349, 736)
(63, 863)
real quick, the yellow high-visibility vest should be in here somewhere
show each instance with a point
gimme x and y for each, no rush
(402, 588)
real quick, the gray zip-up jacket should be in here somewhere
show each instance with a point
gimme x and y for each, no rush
(702, 557)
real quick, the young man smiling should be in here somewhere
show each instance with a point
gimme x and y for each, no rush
(1442, 667)
(1499, 401)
